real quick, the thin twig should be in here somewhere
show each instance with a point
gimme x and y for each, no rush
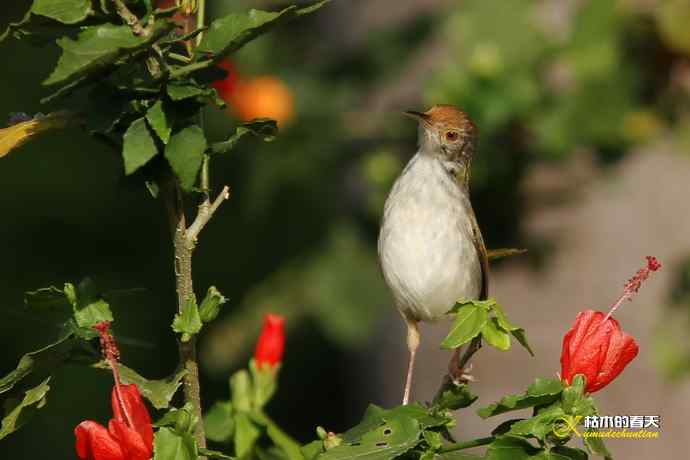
(473, 347)
(206, 211)
(130, 18)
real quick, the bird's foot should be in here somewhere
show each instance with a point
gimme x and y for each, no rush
(460, 376)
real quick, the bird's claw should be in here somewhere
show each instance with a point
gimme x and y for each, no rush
(461, 376)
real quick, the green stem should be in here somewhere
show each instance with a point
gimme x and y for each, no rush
(184, 246)
(200, 19)
(186, 70)
(185, 292)
(467, 444)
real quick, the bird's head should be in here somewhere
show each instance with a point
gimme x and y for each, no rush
(447, 133)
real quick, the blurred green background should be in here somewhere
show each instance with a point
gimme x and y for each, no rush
(545, 81)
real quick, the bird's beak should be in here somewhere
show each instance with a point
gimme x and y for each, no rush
(419, 116)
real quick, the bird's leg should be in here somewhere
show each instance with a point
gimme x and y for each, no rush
(413, 340)
(459, 367)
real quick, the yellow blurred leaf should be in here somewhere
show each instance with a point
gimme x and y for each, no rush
(16, 135)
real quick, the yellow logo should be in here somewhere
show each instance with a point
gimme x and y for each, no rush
(564, 426)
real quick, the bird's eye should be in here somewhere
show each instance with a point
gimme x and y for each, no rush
(452, 136)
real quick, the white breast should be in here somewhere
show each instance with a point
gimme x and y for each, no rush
(426, 249)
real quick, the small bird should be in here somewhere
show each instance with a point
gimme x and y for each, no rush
(430, 247)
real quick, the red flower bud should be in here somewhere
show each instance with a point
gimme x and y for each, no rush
(129, 435)
(597, 348)
(271, 345)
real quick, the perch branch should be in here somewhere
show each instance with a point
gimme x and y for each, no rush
(206, 211)
(130, 18)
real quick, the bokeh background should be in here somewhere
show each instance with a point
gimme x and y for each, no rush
(584, 159)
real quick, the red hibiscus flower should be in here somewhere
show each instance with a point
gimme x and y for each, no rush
(596, 346)
(129, 435)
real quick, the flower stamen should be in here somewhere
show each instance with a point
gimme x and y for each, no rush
(112, 355)
(632, 286)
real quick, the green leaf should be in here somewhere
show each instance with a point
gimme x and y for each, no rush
(264, 383)
(170, 418)
(64, 11)
(375, 416)
(264, 128)
(569, 453)
(219, 422)
(542, 391)
(433, 439)
(158, 120)
(246, 434)
(502, 318)
(50, 298)
(106, 108)
(87, 307)
(183, 420)
(457, 455)
(518, 332)
(95, 49)
(671, 19)
(312, 450)
(170, 445)
(158, 392)
(42, 361)
(521, 337)
(210, 306)
(504, 427)
(574, 400)
(512, 448)
(468, 323)
(232, 32)
(541, 425)
(487, 304)
(208, 453)
(394, 437)
(495, 335)
(34, 399)
(87, 316)
(241, 390)
(180, 91)
(597, 446)
(185, 153)
(289, 446)
(188, 321)
(454, 397)
(139, 146)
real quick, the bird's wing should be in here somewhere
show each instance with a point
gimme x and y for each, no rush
(483, 255)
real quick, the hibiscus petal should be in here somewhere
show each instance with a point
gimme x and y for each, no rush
(584, 347)
(130, 440)
(566, 373)
(136, 409)
(94, 442)
(622, 349)
(583, 324)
